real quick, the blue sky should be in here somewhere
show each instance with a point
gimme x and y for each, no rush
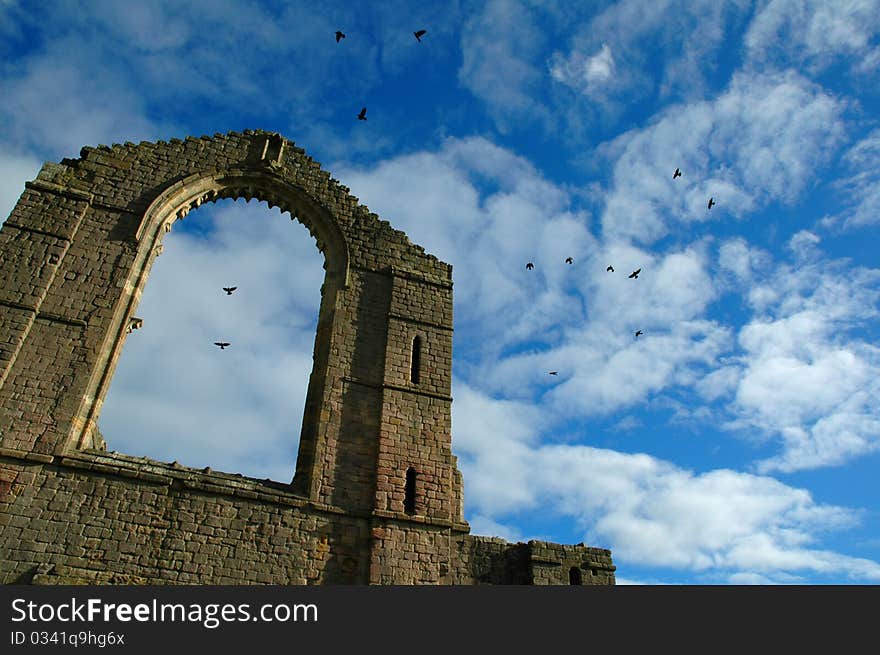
(735, 441)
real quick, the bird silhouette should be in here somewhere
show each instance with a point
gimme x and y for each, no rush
(635, 273)
(569, 260)
(638, 332)
(363, 115)
(530, 266)
(554, 373)
(229, 290)
(339, 36)
(676, 174)
(222, 344)
(711, 202)
(610, 268)
(419, 35)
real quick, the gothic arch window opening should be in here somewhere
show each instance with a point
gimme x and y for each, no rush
(204, 313)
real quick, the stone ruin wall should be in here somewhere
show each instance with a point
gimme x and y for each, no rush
(75, 255)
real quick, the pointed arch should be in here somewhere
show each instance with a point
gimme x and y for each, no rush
(173, 204)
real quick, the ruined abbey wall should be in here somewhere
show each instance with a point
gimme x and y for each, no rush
(377, 495)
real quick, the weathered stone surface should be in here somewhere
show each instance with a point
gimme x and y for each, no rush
(75, 255)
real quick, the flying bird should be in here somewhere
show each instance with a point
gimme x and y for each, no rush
(229, 290)
(635, 273)
(638, 332)
(419, 35)
(610, 268)
(554, 373)
(711, 202)
(339, 36)
(569, 260)
(676, 174)
(363, 115)
(222, 344)
(530, 266)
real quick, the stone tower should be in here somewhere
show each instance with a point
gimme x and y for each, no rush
(377, 495)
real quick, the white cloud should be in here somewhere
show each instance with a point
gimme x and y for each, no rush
(719, 522)
(861, 188)
(104, 74)
(805, 379)
(57, 106)
(742, 260)
(804, 245)
(482, 525)
(719, 383)
(815, 33)
(498, 50)
(760, 141)
(600, 66)
(628, 424)
(627, 375)
(488, 212)
(148, 28)
(608, 60)
(870, 63)
(589, 74)
(603, 368)
(629, 38)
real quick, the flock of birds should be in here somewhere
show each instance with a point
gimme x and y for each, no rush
(362, 115)
(610, 269)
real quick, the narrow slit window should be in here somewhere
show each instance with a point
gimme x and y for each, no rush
(416, 360)
(409, 492)
(574, 576)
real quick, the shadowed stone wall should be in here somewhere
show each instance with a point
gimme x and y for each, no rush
(75, 255)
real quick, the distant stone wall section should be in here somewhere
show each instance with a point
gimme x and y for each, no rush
(75, 254)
